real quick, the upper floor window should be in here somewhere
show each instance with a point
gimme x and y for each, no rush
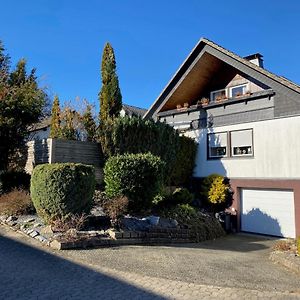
(238, 90)
(218, 95)
(217, 145)
(241, 142)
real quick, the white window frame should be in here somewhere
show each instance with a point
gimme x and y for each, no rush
(237, 86)
(216, 91)
(209, 156)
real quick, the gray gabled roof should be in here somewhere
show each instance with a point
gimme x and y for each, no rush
(131, 110)
(194, 55)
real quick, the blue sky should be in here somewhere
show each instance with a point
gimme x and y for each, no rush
(64, 39)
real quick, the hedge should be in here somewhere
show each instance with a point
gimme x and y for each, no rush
(136, 176)
(185, 161)
(58, 190)
(134, 135)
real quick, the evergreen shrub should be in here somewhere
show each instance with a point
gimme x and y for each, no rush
(135, 135)
(61, 189)
(136, 176)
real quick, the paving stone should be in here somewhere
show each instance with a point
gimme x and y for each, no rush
(34, 233)
(11, 218)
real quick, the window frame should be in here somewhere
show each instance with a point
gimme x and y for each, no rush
(216, 91)
(252, 145)
(237, 86)
(208, 146)
(229, 149)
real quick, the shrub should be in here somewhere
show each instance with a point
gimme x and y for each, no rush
(283, 245)
(116, 208)
(134, 135)
(14, 180)
(136, 176)
(298, 245)
(61, 189)
(202, 227)
(16, 202)
(63, 224)
(178, 196)
(185, 161)
(216, 192)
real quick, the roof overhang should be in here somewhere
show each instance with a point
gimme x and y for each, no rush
(202, 63)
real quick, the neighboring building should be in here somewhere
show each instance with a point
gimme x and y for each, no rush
(41, 130)
(132, 111)
(249, 131)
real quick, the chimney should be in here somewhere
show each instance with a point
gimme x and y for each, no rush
(256, 59)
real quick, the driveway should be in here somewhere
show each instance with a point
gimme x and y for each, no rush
(234, 266)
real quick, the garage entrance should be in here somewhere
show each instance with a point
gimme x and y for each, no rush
(267, 211)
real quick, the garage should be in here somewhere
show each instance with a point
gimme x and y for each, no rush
(267, 211)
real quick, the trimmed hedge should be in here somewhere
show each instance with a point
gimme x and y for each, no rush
(135, 135)
(14, 180)
(136, 176)
(185, 161)
(58, 190)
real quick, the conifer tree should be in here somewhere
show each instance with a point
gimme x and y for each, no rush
(21, 104)
(110, 95)
(68, 131)
(89, 123)
(55, 129)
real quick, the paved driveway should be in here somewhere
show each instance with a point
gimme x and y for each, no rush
(232, 267)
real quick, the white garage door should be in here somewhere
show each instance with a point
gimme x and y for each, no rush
(269, 212)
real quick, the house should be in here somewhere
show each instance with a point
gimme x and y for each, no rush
(41, 130)
(132, 111)
(246, 121)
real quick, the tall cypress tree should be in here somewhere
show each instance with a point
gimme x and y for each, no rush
(110, 95)
(55, 130)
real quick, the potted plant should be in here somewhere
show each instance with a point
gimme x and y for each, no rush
(186, 105)
(204, 101)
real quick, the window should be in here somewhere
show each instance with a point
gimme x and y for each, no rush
(217, 145)
(241, 142)
(218, 95)
(238, 90)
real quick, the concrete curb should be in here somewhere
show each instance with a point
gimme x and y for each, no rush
(288, 260)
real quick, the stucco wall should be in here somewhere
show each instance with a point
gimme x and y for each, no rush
(276, 151)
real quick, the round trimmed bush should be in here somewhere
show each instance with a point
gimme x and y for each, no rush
(58, 190)
(136, 176)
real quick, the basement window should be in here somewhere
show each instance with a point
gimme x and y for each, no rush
(217, 145)
(241, 142)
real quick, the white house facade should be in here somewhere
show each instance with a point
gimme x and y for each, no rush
(246, 121)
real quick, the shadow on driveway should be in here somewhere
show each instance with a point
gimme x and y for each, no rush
(30, 273)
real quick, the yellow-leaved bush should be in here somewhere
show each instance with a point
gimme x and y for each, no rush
(218, 191)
